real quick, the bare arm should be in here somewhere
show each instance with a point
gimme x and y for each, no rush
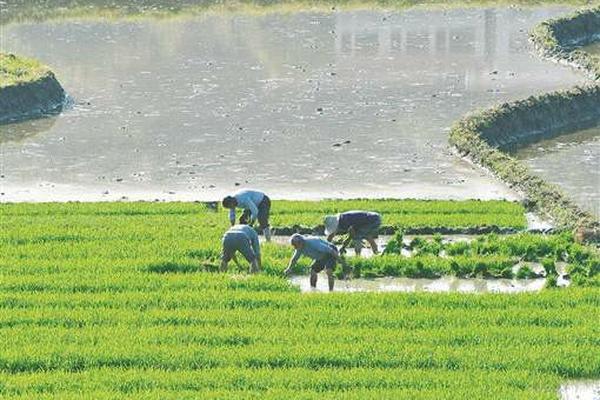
(232, 216)
(293, 262)
(253, 211)
(345, 244)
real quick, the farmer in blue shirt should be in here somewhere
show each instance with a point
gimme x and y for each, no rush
(324, 255)
(358, 225)
(256, 206)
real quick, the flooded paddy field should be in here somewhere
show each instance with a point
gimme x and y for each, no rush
(571, 161)
(441, 285)
(191, 108)
(580, 390)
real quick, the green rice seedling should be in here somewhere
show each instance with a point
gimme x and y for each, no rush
(395, 244)
(549, 266)
(113, 300)
(423, 246)
(525, 272)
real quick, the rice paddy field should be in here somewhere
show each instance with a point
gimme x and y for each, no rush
(118, 300)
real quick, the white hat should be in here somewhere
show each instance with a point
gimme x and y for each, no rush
(331, 224)
(296, 238)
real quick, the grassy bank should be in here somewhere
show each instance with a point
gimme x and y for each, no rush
(27, 89)
(484, 136)
(84, 311)
(16, 70)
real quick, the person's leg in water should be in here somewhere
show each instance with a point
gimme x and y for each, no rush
(313, 279)
(373, 245)
(329, 265)
(372, 233)
(316, 267)
(264, 209)
(357, 241)
(330, 278)
(254, 267)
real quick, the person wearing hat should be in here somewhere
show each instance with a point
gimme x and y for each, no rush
(324, 254)
(358, 225)
(256, 206)
(242, 238)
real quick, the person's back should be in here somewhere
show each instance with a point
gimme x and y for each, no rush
(323, 253)
(316, 248)
(256, 206)
(243, 239)
(250, 232)
(246, 195)
(357, 219)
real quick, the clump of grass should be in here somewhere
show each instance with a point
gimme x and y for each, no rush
(15, 70)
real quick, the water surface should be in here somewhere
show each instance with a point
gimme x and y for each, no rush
(593, 48)
(571, 161)
(303, 105)
(445, 285)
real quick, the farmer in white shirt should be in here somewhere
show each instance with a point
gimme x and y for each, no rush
(256, 206)
(324, 255)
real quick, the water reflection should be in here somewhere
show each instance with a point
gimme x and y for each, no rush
(188, 108)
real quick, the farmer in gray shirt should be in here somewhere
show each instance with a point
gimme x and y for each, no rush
(324, 255)
(244, 239)
(256, 206)
(358, 225)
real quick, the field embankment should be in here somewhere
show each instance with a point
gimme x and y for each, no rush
(486, 136)
(27, 89)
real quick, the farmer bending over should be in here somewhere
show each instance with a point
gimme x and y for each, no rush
(256, 206)
(324, 254)
(358, 225)
(244, 239)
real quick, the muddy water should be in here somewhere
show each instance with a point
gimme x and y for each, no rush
(189, 108)
(571, 161)
(593, 48)
(445, 284)
(580, 390)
